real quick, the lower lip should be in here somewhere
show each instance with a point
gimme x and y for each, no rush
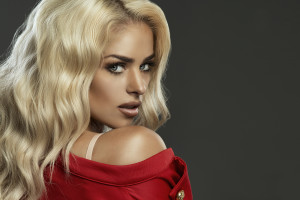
(129, 112)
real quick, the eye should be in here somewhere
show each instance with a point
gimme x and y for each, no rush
(146, 67)
(116, 68)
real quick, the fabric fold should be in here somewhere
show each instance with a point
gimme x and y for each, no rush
(114, 174)
(161, 177)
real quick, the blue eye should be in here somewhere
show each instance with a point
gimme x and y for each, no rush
(146, 67)
(116, 68)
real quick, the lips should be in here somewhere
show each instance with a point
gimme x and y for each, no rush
(130, 109)
(130, 105)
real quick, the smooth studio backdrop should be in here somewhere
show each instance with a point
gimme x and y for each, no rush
(233, 87)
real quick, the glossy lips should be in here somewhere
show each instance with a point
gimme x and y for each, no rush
(130, 109)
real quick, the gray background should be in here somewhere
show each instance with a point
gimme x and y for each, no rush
(233, 81)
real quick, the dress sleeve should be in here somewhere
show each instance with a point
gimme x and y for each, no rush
(170, 182)
(182, 188)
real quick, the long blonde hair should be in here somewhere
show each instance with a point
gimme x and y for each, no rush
(44, 84)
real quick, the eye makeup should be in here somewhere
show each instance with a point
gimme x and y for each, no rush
(119, 67)
(116, 68)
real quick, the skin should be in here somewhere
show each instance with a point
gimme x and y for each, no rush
(124, 144)
(109, 90)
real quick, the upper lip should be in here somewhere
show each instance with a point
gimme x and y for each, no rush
(132, 104)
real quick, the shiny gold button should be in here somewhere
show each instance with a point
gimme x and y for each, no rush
(180, 195)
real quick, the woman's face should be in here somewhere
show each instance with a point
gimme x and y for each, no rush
(123, 77)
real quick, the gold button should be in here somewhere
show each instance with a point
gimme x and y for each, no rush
(180, 195)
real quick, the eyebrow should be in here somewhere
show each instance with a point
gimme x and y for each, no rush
(129, 60)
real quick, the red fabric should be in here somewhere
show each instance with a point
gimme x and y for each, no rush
(159, 177)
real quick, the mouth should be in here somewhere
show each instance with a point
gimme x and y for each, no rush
(130, 109)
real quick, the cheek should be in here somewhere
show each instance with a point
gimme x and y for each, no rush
(147, 80)
(104, 90)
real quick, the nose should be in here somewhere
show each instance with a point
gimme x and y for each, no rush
(136, 83)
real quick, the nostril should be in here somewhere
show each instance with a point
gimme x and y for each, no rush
(137, 84)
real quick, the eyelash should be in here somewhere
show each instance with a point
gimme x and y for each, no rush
(110, 66)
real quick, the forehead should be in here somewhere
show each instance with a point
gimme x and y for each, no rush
(133, 39)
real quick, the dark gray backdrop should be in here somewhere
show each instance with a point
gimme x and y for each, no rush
(233, 81)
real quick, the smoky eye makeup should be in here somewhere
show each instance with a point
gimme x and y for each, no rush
(115, 67)
(118, 67)
(148, 65)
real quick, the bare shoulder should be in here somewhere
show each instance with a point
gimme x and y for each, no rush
(127, 145)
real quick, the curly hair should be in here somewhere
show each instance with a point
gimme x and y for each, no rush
(44, 84)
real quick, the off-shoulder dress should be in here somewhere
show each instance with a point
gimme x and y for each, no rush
(163, 176)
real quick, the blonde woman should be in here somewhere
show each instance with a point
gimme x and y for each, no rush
(81, 97)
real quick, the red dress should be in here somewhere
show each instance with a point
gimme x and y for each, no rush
(163, 176)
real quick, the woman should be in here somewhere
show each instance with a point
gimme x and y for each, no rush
(81, 69)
